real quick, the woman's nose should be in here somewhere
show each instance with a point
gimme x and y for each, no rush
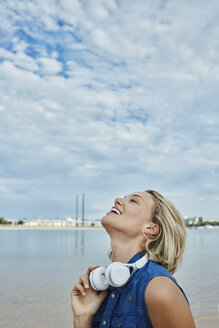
(118, 201)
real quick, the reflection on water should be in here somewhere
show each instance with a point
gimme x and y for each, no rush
(39, 268)
(79, 242)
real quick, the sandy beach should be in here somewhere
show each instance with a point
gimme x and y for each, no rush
(206, 321)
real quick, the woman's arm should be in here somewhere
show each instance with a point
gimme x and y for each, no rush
(166, 304)
(85, 301)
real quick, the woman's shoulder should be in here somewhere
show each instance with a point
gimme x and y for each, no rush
(161, 288)
(163, 294)
(160, 280)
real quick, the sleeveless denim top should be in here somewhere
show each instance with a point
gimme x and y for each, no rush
(125, 306)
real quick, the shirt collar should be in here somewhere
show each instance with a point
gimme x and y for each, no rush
(136, 257)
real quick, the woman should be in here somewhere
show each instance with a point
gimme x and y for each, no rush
(138, 224)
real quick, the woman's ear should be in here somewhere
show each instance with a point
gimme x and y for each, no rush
(151, 230)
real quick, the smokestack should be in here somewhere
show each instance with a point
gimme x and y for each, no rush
(83, 201)
(76, 210)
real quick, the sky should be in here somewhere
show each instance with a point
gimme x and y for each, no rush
(107, 98)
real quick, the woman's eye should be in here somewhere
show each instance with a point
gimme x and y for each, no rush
(133, 200)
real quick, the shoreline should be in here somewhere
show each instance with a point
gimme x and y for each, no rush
(203, 321)
(52, 227)
(11, 227)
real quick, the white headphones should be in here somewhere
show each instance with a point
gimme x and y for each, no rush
(116, 274)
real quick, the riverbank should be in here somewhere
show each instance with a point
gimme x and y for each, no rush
(69, 227)
(206, 321)
(44, 227)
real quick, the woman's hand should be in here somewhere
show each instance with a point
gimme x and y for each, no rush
(85, 301)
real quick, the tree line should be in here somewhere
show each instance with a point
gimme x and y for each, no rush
(3, 221)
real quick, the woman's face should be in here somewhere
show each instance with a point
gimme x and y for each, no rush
(130, 214)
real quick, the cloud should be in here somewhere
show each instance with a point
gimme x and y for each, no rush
(107, 98)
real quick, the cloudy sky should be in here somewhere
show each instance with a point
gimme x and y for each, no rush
(108, 97)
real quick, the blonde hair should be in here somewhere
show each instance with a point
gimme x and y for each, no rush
(168, 245)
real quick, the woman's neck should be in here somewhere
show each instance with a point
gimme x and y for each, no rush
(123, 251)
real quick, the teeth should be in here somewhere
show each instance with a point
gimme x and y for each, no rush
(116, 211)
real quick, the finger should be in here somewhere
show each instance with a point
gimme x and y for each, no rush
(78, 290)
(84, 280)
(91, 268)
(75, 293)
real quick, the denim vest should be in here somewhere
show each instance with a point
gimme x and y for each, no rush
(125, 306)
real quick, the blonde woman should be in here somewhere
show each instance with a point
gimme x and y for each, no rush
(142, 224)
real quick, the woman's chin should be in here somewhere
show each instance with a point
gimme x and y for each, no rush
(103, 220)
(106, 220)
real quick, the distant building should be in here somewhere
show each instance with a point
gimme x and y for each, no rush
(198, 220)
(193, 221)
(68, 222)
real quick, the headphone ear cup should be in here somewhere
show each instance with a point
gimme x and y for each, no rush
(98, 280)
(117, 274)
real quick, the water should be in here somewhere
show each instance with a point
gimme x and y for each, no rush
(38, 269)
